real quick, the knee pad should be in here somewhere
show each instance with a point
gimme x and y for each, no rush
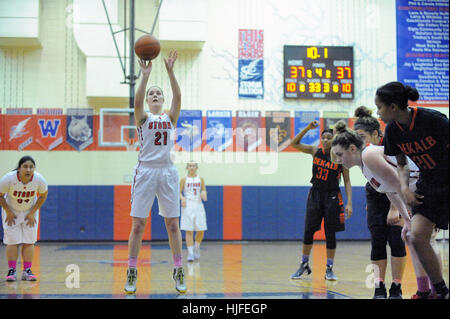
(396, 243)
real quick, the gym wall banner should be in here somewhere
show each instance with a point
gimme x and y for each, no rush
(423, 49)
(251, 64)
(219, 130)
(80, 127)
(189, 131)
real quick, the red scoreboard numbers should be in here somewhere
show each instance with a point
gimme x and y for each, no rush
(318, 72)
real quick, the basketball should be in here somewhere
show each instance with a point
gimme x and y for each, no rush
(147, 47)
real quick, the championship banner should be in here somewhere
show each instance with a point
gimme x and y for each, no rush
(251, 64)
(189, 130)
(79, 128)
(19, 128)
(331, 118)
(219, 130)
(248, 137)
(278, 130)
(301, 120)
(51, 125)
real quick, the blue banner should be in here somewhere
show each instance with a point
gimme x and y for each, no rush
(189, 130)
(219, 130)
(301, 120)
(251, 64)
(423, 48)
(80, 126)
(251, 78)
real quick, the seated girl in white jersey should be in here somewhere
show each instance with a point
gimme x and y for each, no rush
(155, 173)
(349, 149)
(193, 216)
(22, 192)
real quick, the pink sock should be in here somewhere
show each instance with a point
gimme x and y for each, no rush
(177, 260)
(132, 261)
(423, 284)
(26, 265)
(12, 264)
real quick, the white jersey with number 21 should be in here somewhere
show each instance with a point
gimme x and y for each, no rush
(156, 137)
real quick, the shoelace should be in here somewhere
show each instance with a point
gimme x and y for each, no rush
(131, 277)
(180, 276)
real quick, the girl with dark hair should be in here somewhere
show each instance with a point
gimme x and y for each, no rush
(380, 172)
(22, 192)
(423, 135)
(324, 200)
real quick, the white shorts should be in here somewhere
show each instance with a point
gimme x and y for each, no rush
(193, 216)
(162, 182)
(20, 232)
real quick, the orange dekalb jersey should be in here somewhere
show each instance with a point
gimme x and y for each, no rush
(326, 174)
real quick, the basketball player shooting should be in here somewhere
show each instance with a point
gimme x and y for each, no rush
(155, 173)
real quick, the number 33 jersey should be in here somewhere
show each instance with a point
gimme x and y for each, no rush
(326, 174)
(156, 137)
(21, 197)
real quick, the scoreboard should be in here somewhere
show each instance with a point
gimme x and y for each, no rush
(318, 72)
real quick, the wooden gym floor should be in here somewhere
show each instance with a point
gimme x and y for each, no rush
(225, 270)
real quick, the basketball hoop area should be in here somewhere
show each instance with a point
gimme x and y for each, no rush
(117, 128)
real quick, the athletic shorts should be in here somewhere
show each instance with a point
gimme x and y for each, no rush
(434, 207)
(162, 182)
(378, 205)
(193, 216)
(20, 232)
(326, 205)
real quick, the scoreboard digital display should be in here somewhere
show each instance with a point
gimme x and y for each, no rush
(318, 72)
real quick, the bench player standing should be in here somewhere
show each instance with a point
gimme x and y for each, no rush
(422, 135)
(193, 215)
(19, 199)
(155, 173)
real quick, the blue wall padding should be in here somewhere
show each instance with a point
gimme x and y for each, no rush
(214, 212)
(78, 213)
(268, 213)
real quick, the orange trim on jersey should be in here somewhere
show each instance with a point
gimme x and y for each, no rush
(399, 126)
(18, 177)
(232, 212)
(413, 121)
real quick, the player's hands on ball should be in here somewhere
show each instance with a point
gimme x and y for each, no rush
(146, 66)
(170, 61)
